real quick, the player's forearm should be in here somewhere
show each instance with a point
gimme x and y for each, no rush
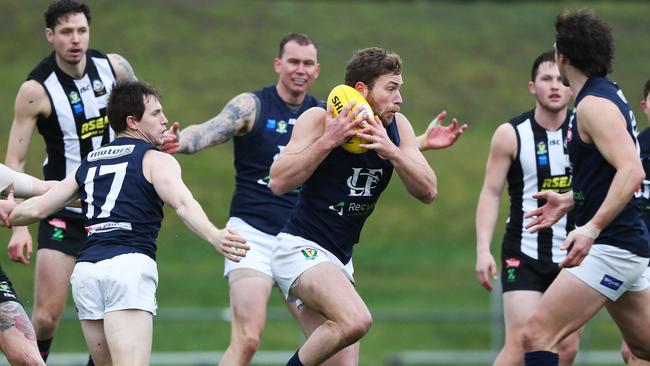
(28, 212)
(418, 178)
(487, 213)
(292, 169)
(193, 216)
(211, 133)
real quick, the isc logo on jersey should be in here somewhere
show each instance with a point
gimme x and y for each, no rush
(338, 98)
(110, 152)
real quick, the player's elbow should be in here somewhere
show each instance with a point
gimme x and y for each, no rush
(278, 187)
(429, 196)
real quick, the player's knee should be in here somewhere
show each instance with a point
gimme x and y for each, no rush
(249, 344)
(568, 348)
(45, 322)
(357, 326)
(531, 335)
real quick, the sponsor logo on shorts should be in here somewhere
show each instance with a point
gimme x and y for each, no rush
(512, 263)
(59, 223)
(611, 282)
(309, 253)
(511, 275)
(6, 290)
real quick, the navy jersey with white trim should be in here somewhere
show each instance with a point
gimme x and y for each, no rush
(255, 151)
(123, 210)
(592, 176)
(336, 200)
(541, 164)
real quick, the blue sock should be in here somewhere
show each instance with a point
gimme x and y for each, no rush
(541, 358)
(295, 361)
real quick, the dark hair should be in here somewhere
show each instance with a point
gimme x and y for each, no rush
(586, 41)
(646, 89)
(61, 8)
(127, 99)
(300, 38)
(367, 64)
(548, 56)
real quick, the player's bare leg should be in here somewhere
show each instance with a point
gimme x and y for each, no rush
(249, 296)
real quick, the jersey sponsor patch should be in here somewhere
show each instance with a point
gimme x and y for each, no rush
(105, 227)
(611, 282)
(110, 152)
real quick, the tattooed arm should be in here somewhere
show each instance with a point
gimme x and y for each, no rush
(123, 70)
(236, 118)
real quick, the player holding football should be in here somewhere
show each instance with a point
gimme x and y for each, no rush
(312, 260)
(260, 124)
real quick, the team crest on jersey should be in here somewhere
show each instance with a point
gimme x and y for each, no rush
(74, 97)
(98, 86)
(309, 253)
(282, 127)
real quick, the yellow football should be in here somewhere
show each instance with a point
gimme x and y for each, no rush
(339, 97)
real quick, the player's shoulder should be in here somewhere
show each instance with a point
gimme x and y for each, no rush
(32, 98)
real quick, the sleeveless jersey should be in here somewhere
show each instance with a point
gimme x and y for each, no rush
(122, 209)
(336, 200)
(77, 123)
(592, 176)
(255, 151)
(541, 164)
(643, 195)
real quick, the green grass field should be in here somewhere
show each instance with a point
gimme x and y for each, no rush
(471, 58)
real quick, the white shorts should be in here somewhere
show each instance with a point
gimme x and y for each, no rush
(127, 281)
(612, 271)
(295, 255)
(259, 255)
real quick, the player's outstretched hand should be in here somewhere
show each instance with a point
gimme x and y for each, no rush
(440, 137)
(579, 241)
(6, 206)
(171, 139)
(556, 206)
(231, 245)
(20, 245)
(486, 270)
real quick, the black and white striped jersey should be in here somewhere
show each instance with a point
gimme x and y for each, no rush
(78, 123)
(541, 164)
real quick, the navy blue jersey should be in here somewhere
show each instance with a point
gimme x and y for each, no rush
(122, 209)
(644, 194)
(255, 151)
(336, 200)
(593, 175)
